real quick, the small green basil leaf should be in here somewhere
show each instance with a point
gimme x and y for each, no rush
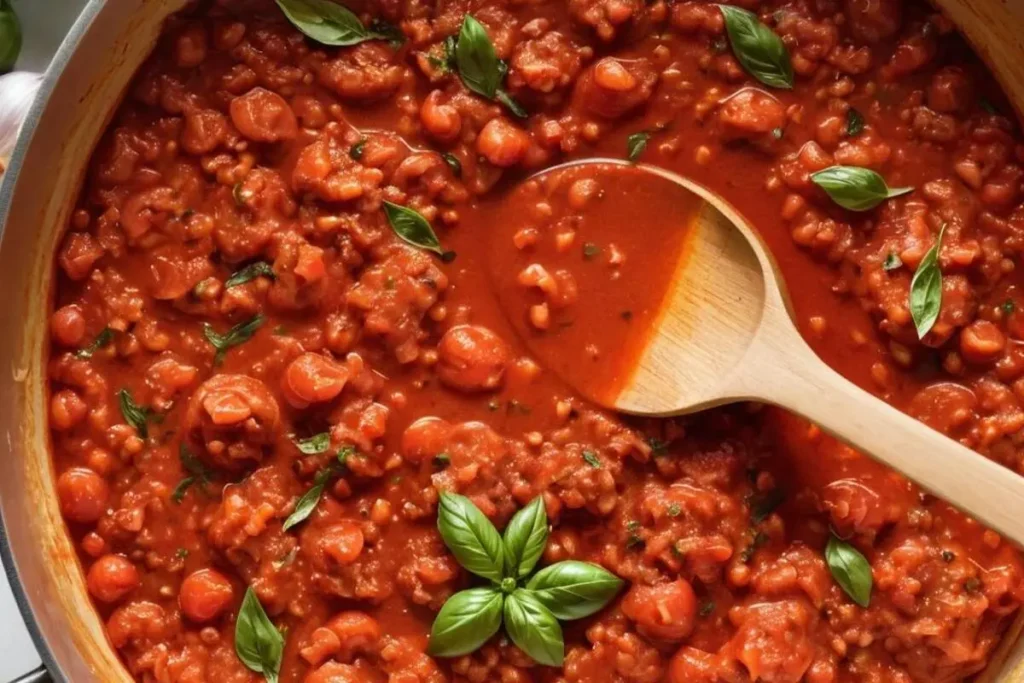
(850, 569)
(478, 64)
(239, 334)
(764, 504)
(856, 188)
(105, 336)
(525, 538)
(308, 502)
(471, 537)
(757, 48)
(854, 122)
(10, 36)
(636, 144)
(134, 414)
(511, 104)
(258, 643)
(356, 151)
(412, 227)
(178, 494)
(926, 289)
(327, 22)
(314, 444)
(467, 620)
(573, 589)
(892, 262)
(250, 273)
(591, 458)
(533, 628)
(197, 471)
(453, 163)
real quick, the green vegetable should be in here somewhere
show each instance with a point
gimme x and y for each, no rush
(850, 570)
(764, 504)
(1008, 306)
(467, 620)
(706, 608)
(636, 144)
(453, 163)
(471, 537)
(258, 643)
(198, 473)
(566, 590)
(525, 538)
(328, 22)
(591, 459)
(105, 336)
(757, 48)
(854, 122)
(479, 67)
(308, 502)
(855, 188)
(892, 262)
(239, 334)
(134, 414)
(356, 151)
(412, 227)
(250, 273)
(533, 628)
(10, 36)
(573, 589)
(926, 289)
(314, 444)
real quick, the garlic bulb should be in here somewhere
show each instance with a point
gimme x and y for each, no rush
(17, 92)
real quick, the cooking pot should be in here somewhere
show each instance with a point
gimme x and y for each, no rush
(76, 99)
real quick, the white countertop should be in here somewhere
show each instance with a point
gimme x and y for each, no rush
(44, 23)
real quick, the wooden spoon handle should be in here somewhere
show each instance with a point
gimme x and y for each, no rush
(798, 381)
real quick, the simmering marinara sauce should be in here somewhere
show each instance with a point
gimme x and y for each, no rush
(233, 308)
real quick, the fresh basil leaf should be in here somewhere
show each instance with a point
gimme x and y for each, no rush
(856, 188)
(591, 459)
(314, 444)
(412, 227)
(453, 163)
(178, 494)
(926, 289)
(573, 589)
(854, 122)
(134, 414)
(466, 621)
(10, 36)
(757, 48)
(850, 569)
(388, 32)
(356, 151)
(511, 104)
(250, 273)
(258, 643)
(308, 502)
(478, 63)
(764, 504)
(239, 334)
(636, 144)
(1008, 307)
(525, 538)
(892, 262)
(344, 453)
(326, 22)
(533, 628)
(105, 336)
(470, 536)
(198, 473)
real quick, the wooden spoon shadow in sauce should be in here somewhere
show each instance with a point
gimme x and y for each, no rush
(597, 243)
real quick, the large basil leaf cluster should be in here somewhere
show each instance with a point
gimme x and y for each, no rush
(529, 606)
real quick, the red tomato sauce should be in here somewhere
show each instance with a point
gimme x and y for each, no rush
(233, 309)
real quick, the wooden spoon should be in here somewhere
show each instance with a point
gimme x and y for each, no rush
(726, 334)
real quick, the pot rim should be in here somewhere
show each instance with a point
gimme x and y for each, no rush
(29, 128)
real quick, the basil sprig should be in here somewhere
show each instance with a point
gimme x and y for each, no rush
(250, 273)
(636, 144)
(758, 49)
(314, 445)
(479, 67)
(134, 414)
(329, 23)
(258, 643)
(926, 289)
(239, 334)
(854, 122)
(530, 612)
(198, 473)
(105, 336)
(856, 188)
(413, 228)
(850, 569)
(10, 36)
(308, 502)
